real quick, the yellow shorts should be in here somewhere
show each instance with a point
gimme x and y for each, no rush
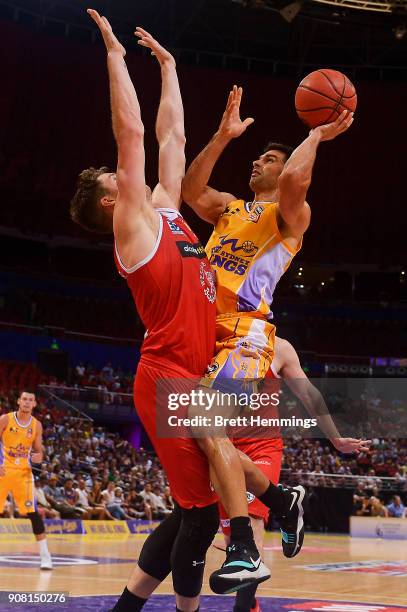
(21, 484)
(244, 348)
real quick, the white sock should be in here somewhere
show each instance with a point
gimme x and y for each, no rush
(44, 552)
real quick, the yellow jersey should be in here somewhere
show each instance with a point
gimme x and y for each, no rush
(16, 442)
(249, 256)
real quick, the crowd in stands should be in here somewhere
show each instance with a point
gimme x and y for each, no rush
(108, 378)
(317, 463)
(369, 502)
(89, 472)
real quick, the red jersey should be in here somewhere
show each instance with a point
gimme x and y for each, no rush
(174, 292)
(251, 446)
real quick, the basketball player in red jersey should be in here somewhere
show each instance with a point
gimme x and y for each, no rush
(170, 278)
(250, 248)
(267, 453)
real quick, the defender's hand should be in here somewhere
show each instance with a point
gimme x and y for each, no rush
(146, 40)
(110, 40)
(351, 445)
(332, 130)
(231, 124)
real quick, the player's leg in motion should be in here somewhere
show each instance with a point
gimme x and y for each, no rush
(21, 484)
(26, 500)
(268, 457)
(180, 543)
(287, 502)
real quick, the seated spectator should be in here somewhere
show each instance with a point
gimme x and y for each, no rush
(377, 507)
(149, 503)
(161, 510)
(360, 499)
(44, 507)
(56, 499)
(92, 511)
(134, 504)
(71, 498)
(169, 502)
(113, 502)
(396, 509)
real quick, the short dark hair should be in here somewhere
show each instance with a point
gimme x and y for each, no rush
(85, 209)
(26, 390)
(278, 146)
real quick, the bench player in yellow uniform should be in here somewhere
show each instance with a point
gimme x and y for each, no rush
(252, 245)
(21, 443)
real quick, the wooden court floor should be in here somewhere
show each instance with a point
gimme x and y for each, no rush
(329, 568)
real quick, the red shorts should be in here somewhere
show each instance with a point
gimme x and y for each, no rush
(185, 464)
(267, 455)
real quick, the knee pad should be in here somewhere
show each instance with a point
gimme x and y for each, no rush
(36, 522)
(197, 530)
(155, 556)
(200, 525)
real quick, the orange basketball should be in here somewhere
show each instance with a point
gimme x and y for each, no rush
(323, 95)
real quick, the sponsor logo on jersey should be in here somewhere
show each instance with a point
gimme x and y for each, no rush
(174, 227)
(212, 367)
(191, 250)
(255, 213)
(229, 211)
(29, 432)
(247, 247)
(19, 451)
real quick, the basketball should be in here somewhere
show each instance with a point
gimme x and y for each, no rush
(323, 95)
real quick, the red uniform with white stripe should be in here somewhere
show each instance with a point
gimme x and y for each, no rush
(266, 453)
(174, 292)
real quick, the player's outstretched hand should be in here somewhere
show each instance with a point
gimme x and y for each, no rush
(332, 130)
(231, 125)
(351, 445)
(146, 40)
(110, 40)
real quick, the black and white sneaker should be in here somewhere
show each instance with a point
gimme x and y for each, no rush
(241, 568)
(292, 521)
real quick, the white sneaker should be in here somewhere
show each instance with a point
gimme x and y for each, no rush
(46, 563)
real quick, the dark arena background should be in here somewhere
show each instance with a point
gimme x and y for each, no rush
(69, 329)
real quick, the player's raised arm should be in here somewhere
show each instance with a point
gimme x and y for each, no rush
(169, 127)
(296, 176)
(312, 399)
(128, 130)
(38, 452)
(209, 203)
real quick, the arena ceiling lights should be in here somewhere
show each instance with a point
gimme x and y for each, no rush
(381, 6)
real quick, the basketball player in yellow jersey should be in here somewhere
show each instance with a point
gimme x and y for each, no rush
(21, 443)
(251, 246)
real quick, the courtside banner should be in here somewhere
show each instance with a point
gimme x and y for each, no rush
(141, 526)
(106, 528)
(66, 526)
(15, 527)
(268, 408)
(377, 527)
